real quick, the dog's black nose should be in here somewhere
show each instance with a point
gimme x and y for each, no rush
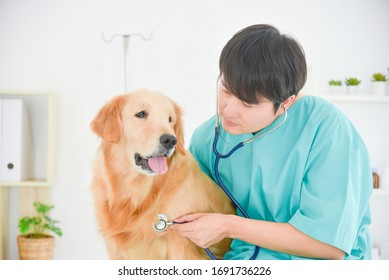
(168, 141)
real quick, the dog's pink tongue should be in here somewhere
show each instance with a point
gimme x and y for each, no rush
(158, 164)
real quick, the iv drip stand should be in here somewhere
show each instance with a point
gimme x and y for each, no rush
(126, 42)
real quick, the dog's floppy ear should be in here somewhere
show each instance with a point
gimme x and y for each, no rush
(179, 129)
(108, 124)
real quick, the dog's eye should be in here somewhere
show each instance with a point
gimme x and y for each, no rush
(170, 119)
(141, 114)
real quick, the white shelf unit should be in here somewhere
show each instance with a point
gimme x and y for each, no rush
(357, 98)
(16, 197)
(41, 112)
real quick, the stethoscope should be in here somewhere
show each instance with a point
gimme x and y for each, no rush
(227, 155)
(163, 222)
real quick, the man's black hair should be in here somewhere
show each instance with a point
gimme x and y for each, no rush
(259, 61)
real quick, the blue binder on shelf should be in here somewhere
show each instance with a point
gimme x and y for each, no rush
(15, 141)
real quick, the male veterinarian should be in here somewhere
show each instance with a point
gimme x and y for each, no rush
(304, 181)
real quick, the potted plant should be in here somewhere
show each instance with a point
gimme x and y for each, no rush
(34, 243)
(378, 84)
(352, 85)
(336, 87)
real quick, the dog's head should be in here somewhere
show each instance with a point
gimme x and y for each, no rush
(147, 125)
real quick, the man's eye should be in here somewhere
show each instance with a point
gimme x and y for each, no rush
(248, 105)
(141, 114)
(226, 91)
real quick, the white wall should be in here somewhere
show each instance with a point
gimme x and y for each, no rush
(56, 46)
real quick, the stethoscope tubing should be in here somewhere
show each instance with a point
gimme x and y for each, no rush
(216, 169)
(227, 155)
(221, 184)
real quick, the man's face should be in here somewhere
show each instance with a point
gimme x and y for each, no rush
(239, 117)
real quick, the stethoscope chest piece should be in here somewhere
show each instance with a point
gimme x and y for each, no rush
(162, 224)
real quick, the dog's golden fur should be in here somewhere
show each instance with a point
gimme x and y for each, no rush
(128, 198)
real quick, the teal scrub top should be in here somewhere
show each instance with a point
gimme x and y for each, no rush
(312, 172)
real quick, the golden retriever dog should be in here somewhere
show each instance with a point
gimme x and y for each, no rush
(142, 170)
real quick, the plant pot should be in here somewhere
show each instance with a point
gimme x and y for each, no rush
(378, 87)
(354, 90)
(336, 90)
(36, 248)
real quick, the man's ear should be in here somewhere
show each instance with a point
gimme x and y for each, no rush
(107, 123)
(288, 102)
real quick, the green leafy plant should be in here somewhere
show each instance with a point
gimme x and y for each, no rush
(335, 83)
(352, 81)
(36, 226)
(378, 77)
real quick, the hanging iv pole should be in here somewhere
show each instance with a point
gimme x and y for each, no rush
(126, 42)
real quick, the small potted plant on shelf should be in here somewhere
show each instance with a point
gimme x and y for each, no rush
(352, 85)
(336, 87)
(34, 243)
(378, 83)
